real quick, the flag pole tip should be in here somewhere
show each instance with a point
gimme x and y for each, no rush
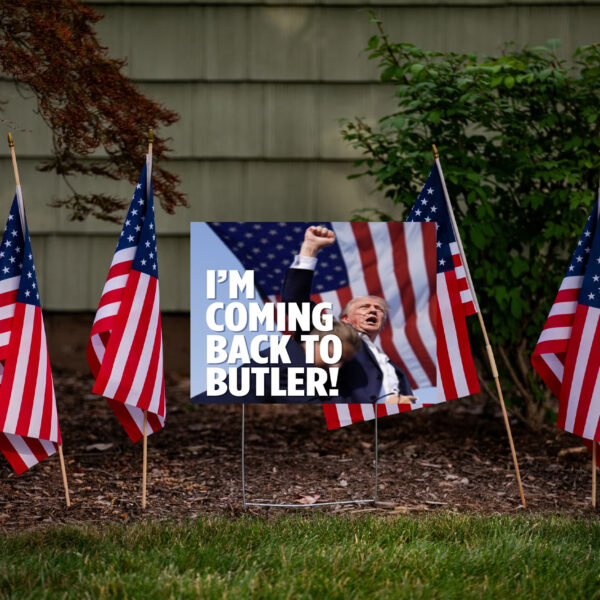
(436, 154)
(11, 142)
(150, 136)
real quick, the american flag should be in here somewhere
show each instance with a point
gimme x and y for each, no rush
(455, 362)
(567, 354)
(392, 260)
(125, 347)
(28, 416)
(456, 375)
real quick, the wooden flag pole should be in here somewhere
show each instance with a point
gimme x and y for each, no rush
(145, 449)
(145, 459)
(594, 472)
(64, 474)
(11, 145)
(488, 347)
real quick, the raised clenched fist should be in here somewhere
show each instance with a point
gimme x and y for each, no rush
(315, 238)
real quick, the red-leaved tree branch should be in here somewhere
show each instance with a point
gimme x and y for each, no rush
(51, 49)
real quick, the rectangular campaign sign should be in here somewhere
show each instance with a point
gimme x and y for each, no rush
(312, 312)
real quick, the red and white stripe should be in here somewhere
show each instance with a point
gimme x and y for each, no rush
(549, 355)
(109, 305)
(8, 301)
(466, 296)
(30, 422)
(29, 430)
(579, 407)
(131, 370)
(456, 375)
(407, 281)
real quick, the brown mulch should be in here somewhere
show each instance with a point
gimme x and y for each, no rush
(451, 457)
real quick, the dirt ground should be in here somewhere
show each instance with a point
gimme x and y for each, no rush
(450, 457)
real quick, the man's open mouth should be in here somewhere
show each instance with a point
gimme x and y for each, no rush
(372, 320)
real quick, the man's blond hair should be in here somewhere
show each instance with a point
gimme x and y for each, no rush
(349, 304)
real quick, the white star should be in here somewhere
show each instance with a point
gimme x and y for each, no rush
(442, 262)
(143, 261)
(427, 219)
(418, 213)
(10, 217)
(587, 233)
(29, 275)
(424, 201)
(30, 256)
(598, 260)
(438, 245)
(1, 254)
(571, 268)
(13, 232)
(27, 293)
(17, 249)
(591, 296)
(430, 191)
(151, 255)
(588, 250)
(596, 278)
(7, 243)
(140, 202)
(138, 186)
(33, 285)
(154, 266)
(147, 244)
(12, 259)
(5, 269)
(127, 222)
(579, 258)
(153, 237)
(151, 225)
(130, 238)
(134, 212)
(137, 227)
(434, 209)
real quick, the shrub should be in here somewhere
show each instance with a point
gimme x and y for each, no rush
(518, 136)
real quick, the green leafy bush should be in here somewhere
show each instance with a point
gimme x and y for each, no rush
(518, 136)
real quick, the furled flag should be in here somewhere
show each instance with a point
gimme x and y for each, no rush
(456, 376)
(392, 260)
(125, 347)
(29, 429)
(457, 373)
(567, 354)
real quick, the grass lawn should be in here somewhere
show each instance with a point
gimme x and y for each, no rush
(309, 556)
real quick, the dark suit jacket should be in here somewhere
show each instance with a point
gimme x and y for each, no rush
(359, 379)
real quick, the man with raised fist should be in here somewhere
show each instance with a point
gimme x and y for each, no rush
(370, 375)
